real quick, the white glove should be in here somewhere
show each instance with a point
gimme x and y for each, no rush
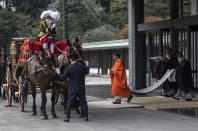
(50, 37)
(57, 70)
(87, 63)
(53, 26)
(50, 22)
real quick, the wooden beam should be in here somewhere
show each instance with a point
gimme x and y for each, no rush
(167, 24)
(154, 26)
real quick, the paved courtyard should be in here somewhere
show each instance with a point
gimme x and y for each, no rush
(124, 119)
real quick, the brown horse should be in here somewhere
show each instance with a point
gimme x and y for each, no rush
(3, 65)
(41, 74)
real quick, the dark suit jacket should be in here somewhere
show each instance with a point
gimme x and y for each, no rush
(184, 76)
(76, 74)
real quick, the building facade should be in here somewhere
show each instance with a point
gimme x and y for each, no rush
(99, 55)
(179, 32)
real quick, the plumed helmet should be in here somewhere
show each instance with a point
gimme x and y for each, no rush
(55, 15)
(179, 54)
(45, 14)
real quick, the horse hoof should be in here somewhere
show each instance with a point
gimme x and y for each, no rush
(7, 106)
(66, 120)
(78, 112)
(44, 117)
(34, 113)
(86, 119)
(53, 116)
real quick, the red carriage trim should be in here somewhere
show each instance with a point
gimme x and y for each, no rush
(35, 45)
(32, 45)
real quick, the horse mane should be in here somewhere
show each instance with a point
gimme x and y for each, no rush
(69, 43)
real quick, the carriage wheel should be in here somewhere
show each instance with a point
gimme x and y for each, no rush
(20, 97)
(8, 87)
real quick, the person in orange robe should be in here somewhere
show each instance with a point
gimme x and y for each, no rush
(119, 80)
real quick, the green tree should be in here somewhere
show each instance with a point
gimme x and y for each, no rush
(7, 26)
(14, 25)
(157, 8)
(24, 25)
(82, 16)
(105, 4)
(118, 15)
(30, 7)
(103, 33)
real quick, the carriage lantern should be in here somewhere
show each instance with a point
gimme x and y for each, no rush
(13, 51)
(13, 48)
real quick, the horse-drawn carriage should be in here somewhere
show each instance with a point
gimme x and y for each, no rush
(28, 66)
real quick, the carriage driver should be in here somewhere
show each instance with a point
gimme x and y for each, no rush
(48, 31)
(76, 74)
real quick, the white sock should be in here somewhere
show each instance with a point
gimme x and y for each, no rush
(52, 48)
(45, 46)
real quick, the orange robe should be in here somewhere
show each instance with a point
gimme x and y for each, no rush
(119, 80)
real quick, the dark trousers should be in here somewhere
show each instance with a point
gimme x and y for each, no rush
(73, 96)
(82, 100)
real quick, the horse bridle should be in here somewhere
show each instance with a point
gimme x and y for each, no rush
(42, 67)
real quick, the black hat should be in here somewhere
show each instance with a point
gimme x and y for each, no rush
(73, 57)
(116, 53)
(179, 54)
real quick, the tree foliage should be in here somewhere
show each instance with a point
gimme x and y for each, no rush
(118, 15)
(30, 7)
(82, 16)
(20, 18)
(123, 33)
(105, 4)
(158, 8)
(103, 33)
(14, 24)
(7, 26)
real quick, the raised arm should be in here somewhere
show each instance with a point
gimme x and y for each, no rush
(64, 75)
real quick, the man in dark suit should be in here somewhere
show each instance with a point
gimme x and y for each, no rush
(184, 79)
(76, 74)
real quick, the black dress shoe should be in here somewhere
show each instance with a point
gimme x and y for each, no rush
(188, 99)
(130, 98)
(86, 118)
(117, 102)
(176, 98)
(66, 119)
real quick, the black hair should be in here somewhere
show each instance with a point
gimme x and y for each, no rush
(179, 54)
(116, 53)
(49, 17)
(73, 56)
